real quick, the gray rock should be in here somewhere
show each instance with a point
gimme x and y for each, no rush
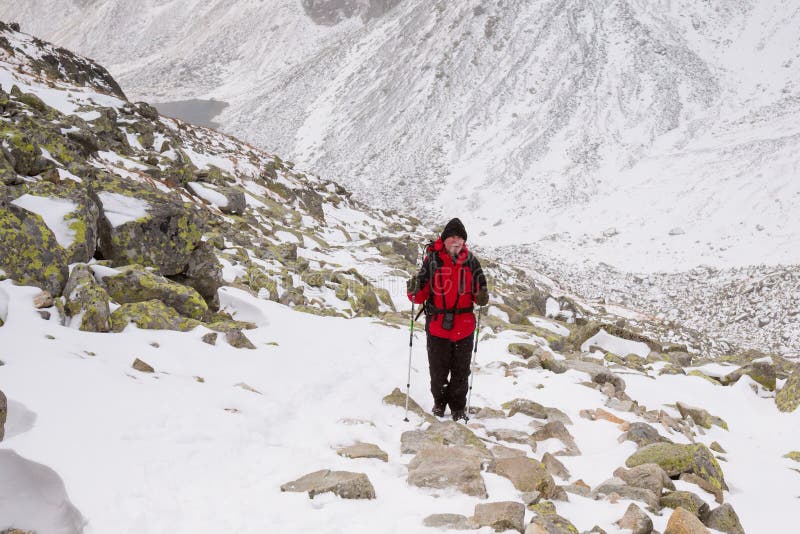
(647, 476)
(447, 467)
(210, 338)
(500, 515)
(578, 489)
(618, 486)
(555, 467)
(700, 416)
(724, 519)
(526, 474)
(636, 520)
(236, 338)
(449, 522)
(136, 284)
(643, 434)
(512, 436)
(87, 300)
(203, 273)
(363, 450)
(501, 451)
(3, 414)
(490, 413)
(413, 441)
(688, 501)
(236, 201)
(398, 398)
(550, 524)
(343, 484)
(557, 430)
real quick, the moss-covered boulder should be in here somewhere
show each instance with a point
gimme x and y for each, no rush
(82, 222)
(526, 474)
(145, 226)
(686, 500)
(204, 274)
(788, 398)
(724, 519)
(25, 155)
(29, 252)
(86, 301)
(761, 372)
(136, 284)
(153, 315)
(676, 459)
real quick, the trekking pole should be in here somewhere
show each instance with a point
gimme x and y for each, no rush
(474, 358)
(410, 345)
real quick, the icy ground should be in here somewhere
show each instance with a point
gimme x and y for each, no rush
(191, 448)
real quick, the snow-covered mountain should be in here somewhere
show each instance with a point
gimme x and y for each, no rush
(647, 135)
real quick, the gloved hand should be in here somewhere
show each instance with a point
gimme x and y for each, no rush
(482, 297)
(412, 285)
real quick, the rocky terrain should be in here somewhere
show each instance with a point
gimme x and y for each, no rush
(119, 225)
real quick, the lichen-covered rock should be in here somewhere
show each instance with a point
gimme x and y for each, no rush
(344, 484)
(82, 222)
(144, 226)
(761, 372)
(501, 516)
(236, 201)
(684, 522)
(675, 459)
(204, 274)
(526, 474)
(153, 315)
(523, 350)
(447, 467)
(550, 524)
(136, 284)
(617, 486)
(788, 398)
(29, 252)
(210, 338)
(700, 416)
(724, 519)
(686, 500)
(86, 303)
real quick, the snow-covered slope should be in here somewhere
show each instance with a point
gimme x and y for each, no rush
(647, 135)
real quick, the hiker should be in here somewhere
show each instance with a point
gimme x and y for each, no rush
(450, 280)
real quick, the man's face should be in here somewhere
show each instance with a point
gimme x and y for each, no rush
(453, 245)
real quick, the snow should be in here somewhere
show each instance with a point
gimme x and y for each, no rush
(210, 457)
(615, 345)
(206, 193)
(120, 209)
(54, 212)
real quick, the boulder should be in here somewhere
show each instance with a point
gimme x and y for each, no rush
(236, 201)
(617, 486)
(724, 519)
(788, 398)
(550, 524)
(687, 501)
(501, 451)
(636, 520)
(526, 474)
(343, 484)
(136, 284)
(557, 430)
(500, 516)
(153, 315)
(684, 522)
(675, 459)
(363, 450)
(643, 434)
(140, 225)
(700, 416)
(647, 476)
(555, 467)
(442, 467)
(29, 252)
(86, 303)
(704, 485)
(761, 372)
(203, 273)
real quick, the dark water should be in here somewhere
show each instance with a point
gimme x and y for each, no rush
(195, 111)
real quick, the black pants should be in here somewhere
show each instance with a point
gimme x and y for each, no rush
(451, 358)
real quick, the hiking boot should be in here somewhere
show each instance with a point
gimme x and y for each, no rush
(438, 410)
(459, 414)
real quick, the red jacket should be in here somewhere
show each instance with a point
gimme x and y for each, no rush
(446, 285)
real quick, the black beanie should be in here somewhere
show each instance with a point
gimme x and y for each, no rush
(454, 227)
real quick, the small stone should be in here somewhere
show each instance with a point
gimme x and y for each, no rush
(210, 338)
(716, 447)
(343, 484)
(247, 388)
(555, 467)
(683, 522)
(500, 515)
(143, 367)
(236, 338)
(43, 300)
(155, 345)
(636, 520)
(44, 314)
(200, 379)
